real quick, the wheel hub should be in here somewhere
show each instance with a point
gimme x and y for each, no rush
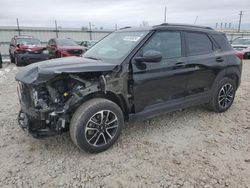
(226, 95)
(101, 128)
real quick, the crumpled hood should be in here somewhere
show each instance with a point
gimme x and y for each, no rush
(46, 70)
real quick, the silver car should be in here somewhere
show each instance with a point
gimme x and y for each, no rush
(242, 45)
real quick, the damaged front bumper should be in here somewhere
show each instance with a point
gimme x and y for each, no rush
(39, 123)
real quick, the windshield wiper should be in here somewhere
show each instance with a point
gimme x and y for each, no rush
(94, 58)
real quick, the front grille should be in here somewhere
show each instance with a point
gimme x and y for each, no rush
(75, 52)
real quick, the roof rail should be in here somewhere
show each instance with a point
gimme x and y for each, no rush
(185, 25)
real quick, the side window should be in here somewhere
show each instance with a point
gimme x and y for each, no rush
(222, 41)
(166, 42)
(49, 43)
(198, 43)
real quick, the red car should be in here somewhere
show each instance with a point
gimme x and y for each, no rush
(25, 50)
(64, 47)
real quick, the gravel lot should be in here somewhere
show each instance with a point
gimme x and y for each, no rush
(189, 148)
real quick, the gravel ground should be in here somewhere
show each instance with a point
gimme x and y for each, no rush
(189, 148)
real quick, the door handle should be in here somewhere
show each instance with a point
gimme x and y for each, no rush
(219, 59)
(180, 64)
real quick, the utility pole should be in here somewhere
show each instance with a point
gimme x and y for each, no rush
(241, 14)
(165, 15)
(56, 29)
(216, 25)
(90, 31)
(18, 28)
(116, 27)
(196, 19)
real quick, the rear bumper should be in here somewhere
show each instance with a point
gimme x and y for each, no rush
(32, 58)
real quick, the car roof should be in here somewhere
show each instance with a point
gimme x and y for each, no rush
(172, 26)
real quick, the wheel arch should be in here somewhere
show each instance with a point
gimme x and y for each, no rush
(232, 73)
(117, 99)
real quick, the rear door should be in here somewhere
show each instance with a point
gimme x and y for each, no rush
(201, 62)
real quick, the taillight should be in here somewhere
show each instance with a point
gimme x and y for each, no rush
(240, 55)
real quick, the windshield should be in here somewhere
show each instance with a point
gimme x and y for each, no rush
(242, 41)
(66, 42)
(116, 46)
(28, 41)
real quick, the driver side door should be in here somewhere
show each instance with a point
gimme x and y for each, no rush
(160, 84)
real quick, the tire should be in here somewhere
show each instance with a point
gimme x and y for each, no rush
(1, 62)
(18, 61)
(223, 95)
(86, 129)
(12, 59)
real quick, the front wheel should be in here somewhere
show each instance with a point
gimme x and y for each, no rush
(96, 125)
(223, 95)
(18, 61)
(12, 59)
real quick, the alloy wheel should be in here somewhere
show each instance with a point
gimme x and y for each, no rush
(101, 128)
(226, 95)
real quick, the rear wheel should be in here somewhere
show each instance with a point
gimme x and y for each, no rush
(223, 95)
(96, 125)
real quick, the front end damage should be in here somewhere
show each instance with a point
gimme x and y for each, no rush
(46, 108)
(49, 92)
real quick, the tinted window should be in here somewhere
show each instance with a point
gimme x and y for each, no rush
(168, 43)
(198, 43)
(222, 41)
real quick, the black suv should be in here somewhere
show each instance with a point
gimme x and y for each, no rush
(130, 74)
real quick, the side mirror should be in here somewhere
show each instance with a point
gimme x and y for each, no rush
(150, 56)
(18, 45)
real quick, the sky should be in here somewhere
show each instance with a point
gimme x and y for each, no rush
(108, 13)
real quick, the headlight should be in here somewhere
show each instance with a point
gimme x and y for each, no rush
(45, 52)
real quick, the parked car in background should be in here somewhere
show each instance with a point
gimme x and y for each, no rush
(1, 61)
(88, 43)
(25, 50)
(60, 47)
(243, 46)
(131, 74)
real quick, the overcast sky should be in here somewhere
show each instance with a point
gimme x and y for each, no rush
(107, 13)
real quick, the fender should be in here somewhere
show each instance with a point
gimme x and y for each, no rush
(227, 72)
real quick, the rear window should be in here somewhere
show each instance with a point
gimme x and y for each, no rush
(222, 42)
(198, 43)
